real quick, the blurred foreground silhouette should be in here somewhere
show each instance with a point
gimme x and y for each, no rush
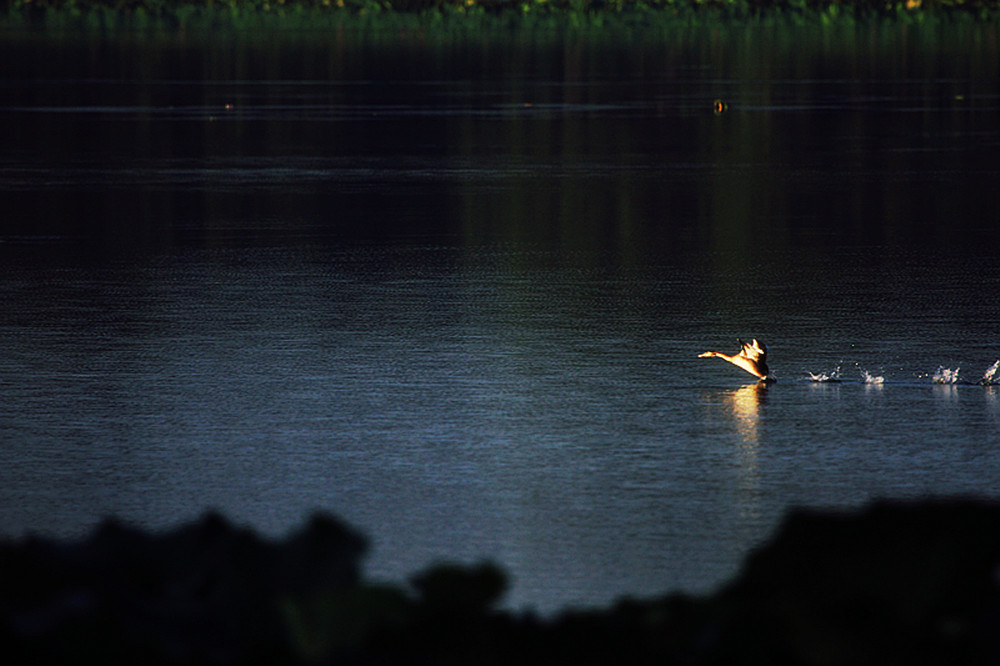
(915, 583)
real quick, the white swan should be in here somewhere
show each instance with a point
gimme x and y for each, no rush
(752, 358)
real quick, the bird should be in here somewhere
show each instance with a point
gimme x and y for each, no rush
(752, 358)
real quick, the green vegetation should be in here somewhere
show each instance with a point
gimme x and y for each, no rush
(464, 16)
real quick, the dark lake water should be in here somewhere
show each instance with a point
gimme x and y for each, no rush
(455, 294)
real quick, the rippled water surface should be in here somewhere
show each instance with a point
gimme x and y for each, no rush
(460, 304)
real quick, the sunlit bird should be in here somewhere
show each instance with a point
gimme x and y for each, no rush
(752, 358)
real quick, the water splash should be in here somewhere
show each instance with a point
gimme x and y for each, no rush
(833, 376)
(945, 375)
(942, 375)
(990, 376)
(869, 378)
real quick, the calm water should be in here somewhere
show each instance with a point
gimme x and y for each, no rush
(456, 296)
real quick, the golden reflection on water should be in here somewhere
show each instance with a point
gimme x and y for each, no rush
(744, 406)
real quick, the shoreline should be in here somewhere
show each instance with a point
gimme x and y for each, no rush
(475, 19)
(893, 583)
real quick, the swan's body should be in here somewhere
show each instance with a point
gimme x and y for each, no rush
(752, 358)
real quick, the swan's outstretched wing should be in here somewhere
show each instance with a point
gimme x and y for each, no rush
(753, 350)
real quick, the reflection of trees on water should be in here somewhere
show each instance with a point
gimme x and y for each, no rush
(595, 146)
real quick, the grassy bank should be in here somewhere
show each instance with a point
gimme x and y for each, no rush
(466, 16)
